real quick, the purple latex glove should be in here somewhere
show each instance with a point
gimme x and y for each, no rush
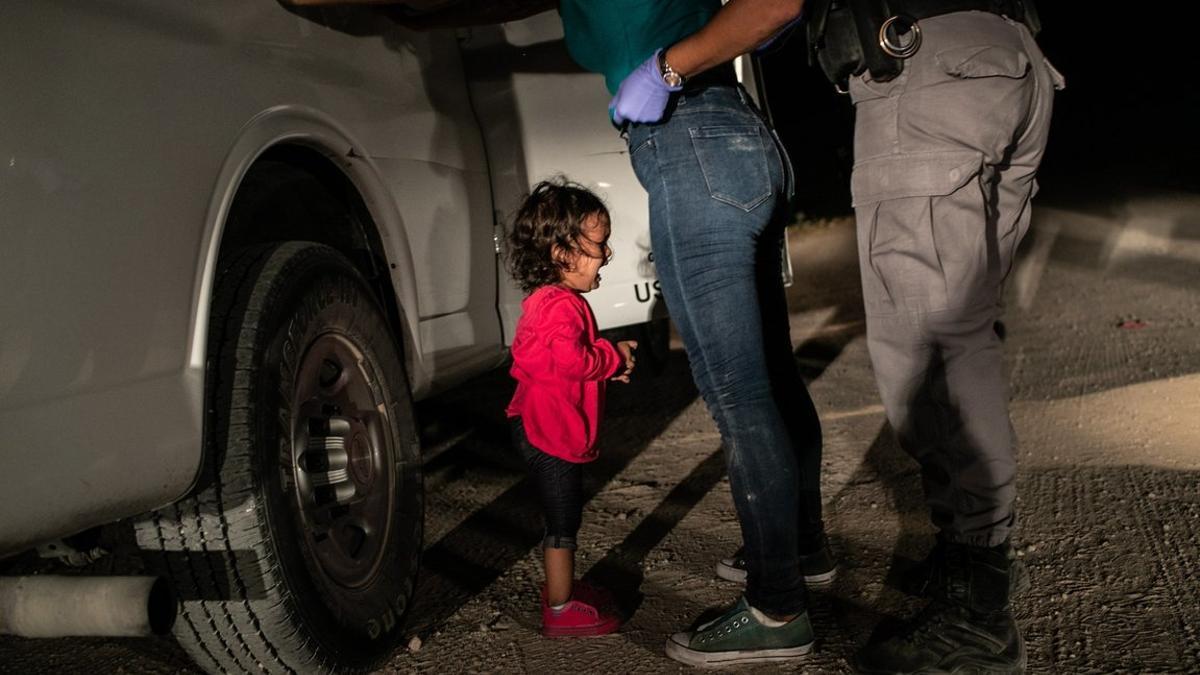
(642, 95)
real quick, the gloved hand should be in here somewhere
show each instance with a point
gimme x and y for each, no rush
(778, 38)
(642, 96)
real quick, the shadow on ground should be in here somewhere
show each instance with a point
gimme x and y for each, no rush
(490, 540)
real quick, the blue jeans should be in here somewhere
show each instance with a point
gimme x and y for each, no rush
(719, 184)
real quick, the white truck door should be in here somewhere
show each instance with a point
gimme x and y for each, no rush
(542, 115)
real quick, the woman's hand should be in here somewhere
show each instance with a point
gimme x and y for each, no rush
(626, 348)
(642, 96)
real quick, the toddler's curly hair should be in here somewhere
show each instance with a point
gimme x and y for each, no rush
(551, 215)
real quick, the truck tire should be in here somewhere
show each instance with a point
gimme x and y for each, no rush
(297, 550)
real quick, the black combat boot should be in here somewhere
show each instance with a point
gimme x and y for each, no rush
(967, 628)
(927, 578)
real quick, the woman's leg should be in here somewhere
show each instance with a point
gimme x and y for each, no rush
(791, 395)
(715, 183)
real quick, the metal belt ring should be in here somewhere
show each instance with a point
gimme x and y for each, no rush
(900, 51)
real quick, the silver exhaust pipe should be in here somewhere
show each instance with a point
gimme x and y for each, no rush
(58, 606)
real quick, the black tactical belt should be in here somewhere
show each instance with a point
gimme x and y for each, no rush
(923, 9)
(849, 37)
(722, 75)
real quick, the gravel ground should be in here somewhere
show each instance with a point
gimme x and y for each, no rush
(1105, 367)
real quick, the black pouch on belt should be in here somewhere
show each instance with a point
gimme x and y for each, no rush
(843, 35)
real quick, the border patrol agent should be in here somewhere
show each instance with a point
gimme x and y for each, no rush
(953, 102)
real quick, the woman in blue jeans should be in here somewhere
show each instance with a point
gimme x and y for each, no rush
(719, 184)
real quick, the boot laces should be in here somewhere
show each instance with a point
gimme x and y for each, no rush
(931, 621)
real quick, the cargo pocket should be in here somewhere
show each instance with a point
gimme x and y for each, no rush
(733, 160)
(921, 230)
(916, 174)
(984, 61)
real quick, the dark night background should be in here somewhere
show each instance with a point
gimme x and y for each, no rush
(1126, 122)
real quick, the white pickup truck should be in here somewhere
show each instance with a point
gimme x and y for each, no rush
(237, 241)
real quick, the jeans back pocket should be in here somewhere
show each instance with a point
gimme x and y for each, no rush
(733, 160)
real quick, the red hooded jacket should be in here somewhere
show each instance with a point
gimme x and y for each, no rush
(560, 366)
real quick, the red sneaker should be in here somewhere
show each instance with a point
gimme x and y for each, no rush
(577, 618)
(595, 596)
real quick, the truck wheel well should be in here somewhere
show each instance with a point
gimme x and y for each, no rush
(296, 193)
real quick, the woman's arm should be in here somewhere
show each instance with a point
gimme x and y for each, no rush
(739, 27)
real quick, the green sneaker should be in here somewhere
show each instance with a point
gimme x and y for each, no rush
(741, 637)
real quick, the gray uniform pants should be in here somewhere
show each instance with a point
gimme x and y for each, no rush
(945, 157)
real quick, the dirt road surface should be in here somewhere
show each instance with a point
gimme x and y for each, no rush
(1103, 344)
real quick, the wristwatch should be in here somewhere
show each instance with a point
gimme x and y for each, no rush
(671, 78)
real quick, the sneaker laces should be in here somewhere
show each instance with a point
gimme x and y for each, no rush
(718, 623)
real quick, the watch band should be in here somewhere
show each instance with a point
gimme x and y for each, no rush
(670, 77)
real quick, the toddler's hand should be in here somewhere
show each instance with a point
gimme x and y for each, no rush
(626, 347)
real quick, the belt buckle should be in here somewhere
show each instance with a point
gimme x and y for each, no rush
(889, 36)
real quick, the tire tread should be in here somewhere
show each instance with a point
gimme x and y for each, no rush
(240, 615)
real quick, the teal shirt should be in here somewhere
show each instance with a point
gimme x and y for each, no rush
(613, 37)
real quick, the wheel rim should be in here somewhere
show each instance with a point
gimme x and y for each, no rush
(341, 451)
